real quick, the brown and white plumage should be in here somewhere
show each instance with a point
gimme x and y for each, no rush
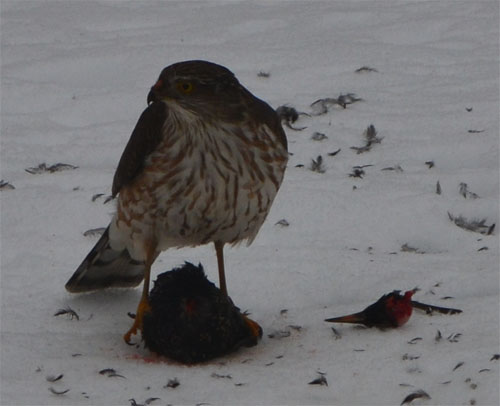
(203, 164)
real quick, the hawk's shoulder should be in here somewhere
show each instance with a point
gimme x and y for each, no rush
(147, 135)
(266, 114)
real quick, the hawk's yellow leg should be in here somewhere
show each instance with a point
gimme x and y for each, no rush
(219, 247)
(255, 329)
(144, 306)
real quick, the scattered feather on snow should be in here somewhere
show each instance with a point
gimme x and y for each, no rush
(320, 380)
(288, 115)
(371, 138)
(465, 192)
(67, 311)
(6, 185)
(321, 106)
(317, 136)
(475, 225)
(283, 223)
(51, 169)
(317, 165)
(420, 394)
(365, 69)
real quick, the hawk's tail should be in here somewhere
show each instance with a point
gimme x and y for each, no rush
(105, 267)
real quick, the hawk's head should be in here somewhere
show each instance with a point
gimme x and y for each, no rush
(201, 87)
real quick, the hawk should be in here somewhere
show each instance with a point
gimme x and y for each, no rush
(203, 165)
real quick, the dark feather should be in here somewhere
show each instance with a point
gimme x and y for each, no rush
(104, 267)
(264, 112)
(145, 138)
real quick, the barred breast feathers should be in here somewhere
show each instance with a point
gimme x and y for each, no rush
(206, 182)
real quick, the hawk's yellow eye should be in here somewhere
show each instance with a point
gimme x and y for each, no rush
(185, 87)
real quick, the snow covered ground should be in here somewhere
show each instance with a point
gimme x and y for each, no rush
(74, 80)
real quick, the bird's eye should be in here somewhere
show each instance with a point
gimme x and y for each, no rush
(185, 87)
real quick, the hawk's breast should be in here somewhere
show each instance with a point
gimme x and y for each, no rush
(204, 182)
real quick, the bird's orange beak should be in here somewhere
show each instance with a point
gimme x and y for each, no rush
(355, 318)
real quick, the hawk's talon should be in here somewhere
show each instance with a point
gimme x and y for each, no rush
(129, 334)
(142, 308)
(254, 327)
(126, 337)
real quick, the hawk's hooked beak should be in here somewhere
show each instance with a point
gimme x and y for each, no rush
(153, 93)
(152, 97)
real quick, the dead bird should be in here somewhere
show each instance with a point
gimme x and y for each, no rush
(391, 310)
(190, 320)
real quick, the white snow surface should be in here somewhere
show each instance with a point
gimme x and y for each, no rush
(74, 80)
